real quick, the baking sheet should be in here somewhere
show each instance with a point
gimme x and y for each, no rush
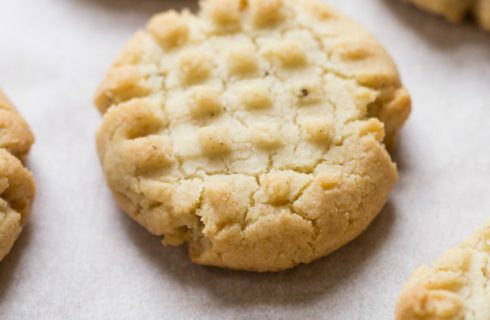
(80, 258)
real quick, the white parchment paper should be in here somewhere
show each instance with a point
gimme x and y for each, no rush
(80, 258)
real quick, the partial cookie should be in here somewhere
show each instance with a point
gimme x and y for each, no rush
(15, 135)
(481, 11)
(455, 287)
(254, 131)
(458, 10)
(16, 183)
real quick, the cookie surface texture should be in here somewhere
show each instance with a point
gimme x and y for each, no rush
(254, 131)
(16, 183)
(458, 10)
(456, 286)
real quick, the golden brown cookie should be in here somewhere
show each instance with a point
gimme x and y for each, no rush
(254, 131)
(458, 10)
(455, 287)
(16, 183)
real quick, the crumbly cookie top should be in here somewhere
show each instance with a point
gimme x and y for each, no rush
(16, 139)
(235, 114)
(16, 189)
(456, 286)
(16, 183)
(15, 135)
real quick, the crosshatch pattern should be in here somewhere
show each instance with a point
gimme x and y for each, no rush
(254, 131)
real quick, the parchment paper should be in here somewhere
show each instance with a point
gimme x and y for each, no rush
(80, 258)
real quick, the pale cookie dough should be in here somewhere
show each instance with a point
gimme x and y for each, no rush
(455, 287)
(458, 10)
(16, 183)
(254, 131)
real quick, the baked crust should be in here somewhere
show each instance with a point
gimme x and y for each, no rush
(15, 135)
(254, 131)
(458, 10)
(16, 183)
(456, 286)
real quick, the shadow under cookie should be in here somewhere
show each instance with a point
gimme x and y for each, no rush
(300, 286)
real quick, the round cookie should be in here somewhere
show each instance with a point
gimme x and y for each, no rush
(458, 10)
(254, 131)
(16, 183)
(456, 286)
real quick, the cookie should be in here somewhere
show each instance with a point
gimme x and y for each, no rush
(254, 131)
(455, 286)
(16, 182)
(458, 10)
